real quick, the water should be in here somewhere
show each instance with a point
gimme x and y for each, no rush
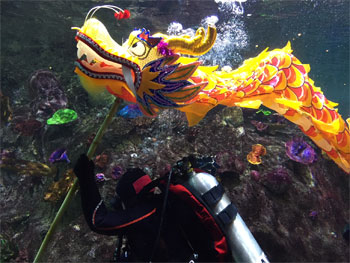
(37, 35)
(319, 32)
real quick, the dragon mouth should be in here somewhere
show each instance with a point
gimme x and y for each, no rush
(96, 62)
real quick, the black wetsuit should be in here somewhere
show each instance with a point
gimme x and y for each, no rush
(182, 233)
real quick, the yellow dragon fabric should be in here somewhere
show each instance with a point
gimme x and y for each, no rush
(160, 71)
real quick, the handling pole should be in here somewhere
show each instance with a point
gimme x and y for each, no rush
(74, 187)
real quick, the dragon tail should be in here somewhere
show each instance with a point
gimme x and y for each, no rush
(279, 81)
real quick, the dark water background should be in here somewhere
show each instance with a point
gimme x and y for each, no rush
(37, 34)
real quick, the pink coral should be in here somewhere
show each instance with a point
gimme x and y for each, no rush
(260, 126)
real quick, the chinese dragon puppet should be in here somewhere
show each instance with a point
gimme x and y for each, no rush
(161, 71)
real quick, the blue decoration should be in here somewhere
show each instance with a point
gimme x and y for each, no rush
(130, 111)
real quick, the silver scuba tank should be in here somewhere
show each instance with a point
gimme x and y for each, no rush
(240, 240)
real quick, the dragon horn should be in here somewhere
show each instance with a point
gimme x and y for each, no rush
(200, 44)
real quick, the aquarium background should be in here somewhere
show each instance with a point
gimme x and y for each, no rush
(37, 35)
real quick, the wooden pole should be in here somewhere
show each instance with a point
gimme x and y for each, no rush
(74, 187)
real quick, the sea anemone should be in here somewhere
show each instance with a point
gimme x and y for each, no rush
(300, 151)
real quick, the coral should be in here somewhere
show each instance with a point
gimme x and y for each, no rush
(26, 167)
(60, 155)
(117, 172)
(313, 215)
(277, 180)
(102, 160)
(300, 151)
(59, 189)
(47, 94)
(100, 177)
(62, 116)
(265, 112)
(27, 127)
(260, 126)
(254, 156)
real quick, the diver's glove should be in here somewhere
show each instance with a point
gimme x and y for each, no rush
(84, 168)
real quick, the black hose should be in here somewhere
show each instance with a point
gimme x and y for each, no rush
(162, 216)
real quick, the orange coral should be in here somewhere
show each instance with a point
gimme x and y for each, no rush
(254, 156)
(59, 189)
(102, 160)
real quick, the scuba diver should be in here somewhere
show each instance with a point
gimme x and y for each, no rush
(184, 216)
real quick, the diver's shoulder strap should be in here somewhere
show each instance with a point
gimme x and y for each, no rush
(156, 182)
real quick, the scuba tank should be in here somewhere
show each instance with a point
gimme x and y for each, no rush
(243, 246)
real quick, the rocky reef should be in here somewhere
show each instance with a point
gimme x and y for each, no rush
(296, 211)
(275, 203)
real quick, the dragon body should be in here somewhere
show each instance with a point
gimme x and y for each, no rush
(160, 71)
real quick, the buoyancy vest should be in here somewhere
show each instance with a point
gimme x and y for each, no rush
(229, 234)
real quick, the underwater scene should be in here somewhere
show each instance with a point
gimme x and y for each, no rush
(246, 99)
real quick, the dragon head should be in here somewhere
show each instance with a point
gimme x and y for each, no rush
(147, 69)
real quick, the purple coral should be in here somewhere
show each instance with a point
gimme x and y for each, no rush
(117, 172)
(60, 155)
(100, 177)
(313, 215)
(163, 49)
(260, 126)
(277, 180)
(300, 151)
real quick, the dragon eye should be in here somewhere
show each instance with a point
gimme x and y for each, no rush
(138, 49)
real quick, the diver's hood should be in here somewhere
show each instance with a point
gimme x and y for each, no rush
(131, 183)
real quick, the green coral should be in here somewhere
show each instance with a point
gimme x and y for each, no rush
(265, 112)
(62, 116)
